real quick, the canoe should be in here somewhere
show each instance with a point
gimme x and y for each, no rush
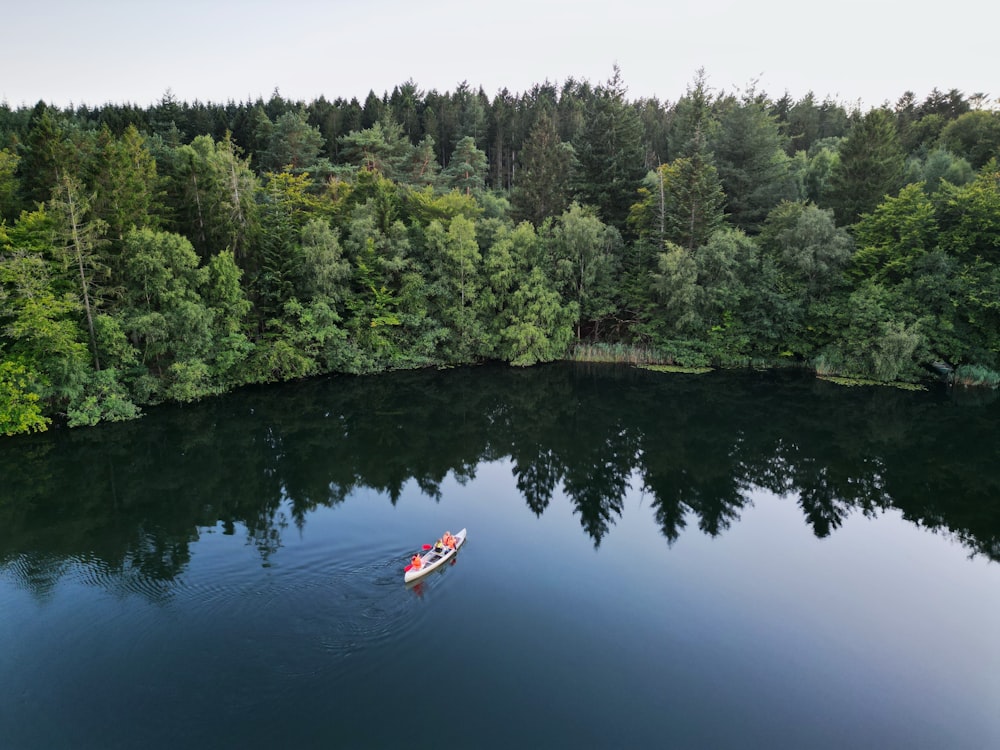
(434, 559)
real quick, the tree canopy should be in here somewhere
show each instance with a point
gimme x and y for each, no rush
(177, 251)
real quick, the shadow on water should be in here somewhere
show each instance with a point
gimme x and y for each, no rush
(130, 499)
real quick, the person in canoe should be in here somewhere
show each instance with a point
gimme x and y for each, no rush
(417, 562)
(448, 540)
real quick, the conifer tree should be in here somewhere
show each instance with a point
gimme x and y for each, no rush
(870, 167)
(610, 152)
(543, 180)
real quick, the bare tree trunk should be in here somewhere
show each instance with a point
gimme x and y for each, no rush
(240, 221)
(663, 208)
(694, 215)
(197, 203)
(78, 249)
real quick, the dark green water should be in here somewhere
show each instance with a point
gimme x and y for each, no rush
(731, 560)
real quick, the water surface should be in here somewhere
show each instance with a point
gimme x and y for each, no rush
(734, 560)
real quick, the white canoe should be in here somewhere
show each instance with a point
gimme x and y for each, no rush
(434, 559)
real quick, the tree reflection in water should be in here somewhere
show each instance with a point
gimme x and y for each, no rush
(134, 496)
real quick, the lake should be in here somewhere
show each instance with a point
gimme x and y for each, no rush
(730, 560)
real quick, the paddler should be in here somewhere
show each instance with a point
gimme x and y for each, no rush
(417, 562)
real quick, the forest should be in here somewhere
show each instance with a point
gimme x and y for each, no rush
(180, 250)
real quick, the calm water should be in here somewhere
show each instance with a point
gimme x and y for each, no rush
(732, 560)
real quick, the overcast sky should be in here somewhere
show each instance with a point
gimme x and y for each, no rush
(854, 51)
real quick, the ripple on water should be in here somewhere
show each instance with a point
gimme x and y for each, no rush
(302, 618)
(124, 578)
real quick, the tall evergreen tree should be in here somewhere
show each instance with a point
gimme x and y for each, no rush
(870, 167)
(9, 201)
(293, 144)
(610, 152)
(543, 179)
(382, 148)
(693, 121)
(53, 149)
(682, 204)
(406, 102)
(802, 124)
(466, 171)
(125, 182)
(749, 153)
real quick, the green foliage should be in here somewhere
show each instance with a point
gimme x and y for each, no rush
(79, 240)
(125, 182)
(421, 166)
(154, 265)
(582, 258)
(687, 353)
(610, 153)
(54, 150)
(525, 319)
(426, 206)
(384, 149)
(104, 399)
(165, 316)
(293, 145)
(682, 202)
(808, 247)
(969, 216)
(898, 232)
(802, 124)
(822, 161)
(277, 358)
(976, 375)
(466, 169)
(727, 266)
(8, 184)
(212, 194)
(870, 167)
(20, 407)
(543, 180)
(943, 166)
(974, 136)
(39, 309)
(874, 343)
(540, 327)
(456, 284)
(693, 121)
(677, 369)
(675, 285)
(749, 153)
(229, 307)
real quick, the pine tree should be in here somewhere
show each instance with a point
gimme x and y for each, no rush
(870, 167)
(610, 153)
(543, 179)
(749, 152)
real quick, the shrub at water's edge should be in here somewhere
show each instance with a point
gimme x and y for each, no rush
(975, 375)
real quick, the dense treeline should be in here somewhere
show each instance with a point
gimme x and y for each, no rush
(181, 250)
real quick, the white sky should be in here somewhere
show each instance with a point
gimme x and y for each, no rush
(855, 51)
